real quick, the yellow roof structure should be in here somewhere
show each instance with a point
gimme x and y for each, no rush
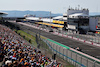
(54, 25)
(59, 22)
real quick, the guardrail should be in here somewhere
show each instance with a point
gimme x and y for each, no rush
(75, 57)
(91, 38)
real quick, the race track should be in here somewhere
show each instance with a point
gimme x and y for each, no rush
(86, 48)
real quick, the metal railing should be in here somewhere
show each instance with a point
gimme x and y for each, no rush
(74, 57)
(86, 37)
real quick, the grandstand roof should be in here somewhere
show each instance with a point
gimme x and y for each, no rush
(58, 17)
(3, 13)
(32, 18)
(43, 19)
(47, 20)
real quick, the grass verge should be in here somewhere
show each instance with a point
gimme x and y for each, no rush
(28, 35)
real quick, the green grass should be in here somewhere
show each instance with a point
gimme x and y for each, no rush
(28, 37)
(42, 43)
(31, 35)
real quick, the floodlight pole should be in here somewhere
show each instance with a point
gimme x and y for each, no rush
(50, 18)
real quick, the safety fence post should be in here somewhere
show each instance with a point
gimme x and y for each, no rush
(95, 39)
(94, 63)
(81, 59)
(53, 46)
(87, 62)
(67, 54)
(56, 49)
(63, 53)
(76, 59)
(98, 40)
(59, 50)
(71, 57)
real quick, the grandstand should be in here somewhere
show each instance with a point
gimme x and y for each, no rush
(16, 52)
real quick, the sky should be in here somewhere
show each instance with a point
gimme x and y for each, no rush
(55, 6)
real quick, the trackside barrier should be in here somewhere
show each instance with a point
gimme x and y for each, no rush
(77, 38)
(71, 55)
(69, 58)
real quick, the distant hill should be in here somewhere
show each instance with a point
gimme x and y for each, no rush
(37, 13)
(94, 13)
(16, 13)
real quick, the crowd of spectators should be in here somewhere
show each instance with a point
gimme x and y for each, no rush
(16, 52)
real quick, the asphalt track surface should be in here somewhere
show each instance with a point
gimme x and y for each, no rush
(86, 48)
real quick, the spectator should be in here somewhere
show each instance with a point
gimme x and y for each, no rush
(15, 52)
